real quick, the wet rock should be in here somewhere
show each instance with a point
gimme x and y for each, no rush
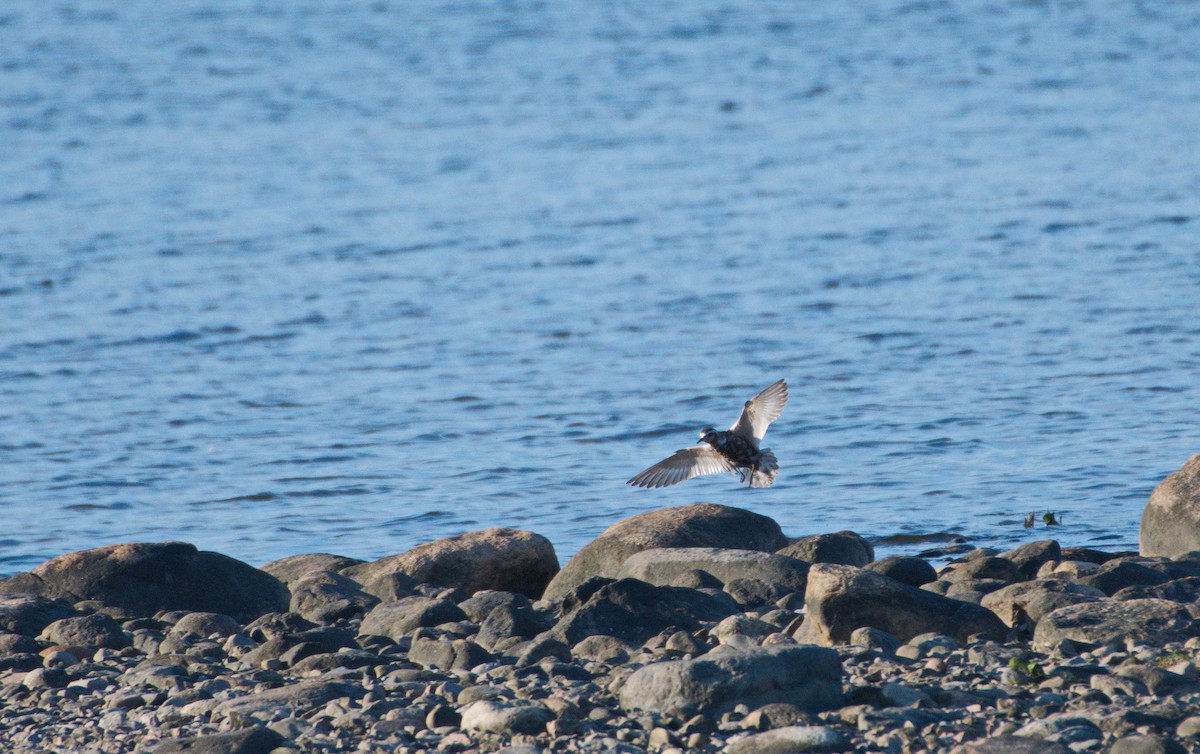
(28, 615)
(1030, 600)
(509, 560)
(1171, 519)
(326, 597)
(145, 578)
(704, 525)
(634, 611)
(86, 633)
(795, 738)
(1147, 621)
(253, 740)
(1116, 575)
(294, 568)
(805, 676)
(663, 566)
(843, 547)
(906, 569)
(842, 598)
(506, 717)
(398, 618)
(1031, 556)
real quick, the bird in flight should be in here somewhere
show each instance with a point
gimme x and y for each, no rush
(734, 450)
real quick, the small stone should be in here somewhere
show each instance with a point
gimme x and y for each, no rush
(797, 738)
(443, 715)
(1150, 744)
(46, 678)
(1189, 727)
(660, 738)
(59, 659)
(510, 718)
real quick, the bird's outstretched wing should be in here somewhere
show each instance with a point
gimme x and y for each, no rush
(761, 410)
(682, 466)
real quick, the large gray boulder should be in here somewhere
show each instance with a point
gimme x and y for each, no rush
(703, 525)
(907, 569)
(326, 596)
(28, 614)
(145, 578)
(1171, 518)
(1118, 574)
(1149, 621)
(842, 598)
(845, 547)
(396, 619)
(1029, 557)
(1033, 599)
(509, 560)
(806, 676)
(633, 611)
(86, 633)
(296, 567)
(670, 566)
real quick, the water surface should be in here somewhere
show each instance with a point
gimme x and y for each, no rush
(352, 277)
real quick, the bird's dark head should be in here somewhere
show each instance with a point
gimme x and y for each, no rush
(708, 435)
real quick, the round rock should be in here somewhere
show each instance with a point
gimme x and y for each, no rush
(703, 525)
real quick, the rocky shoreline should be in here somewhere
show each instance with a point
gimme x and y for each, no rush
(698, 628)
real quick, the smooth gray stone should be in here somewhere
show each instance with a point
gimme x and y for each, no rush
(667, 566)
(806, 676)
(703, 525)
(844, 547)
(254, 740)
(1171, 519)
(1151, 621)
(794, 739)
(396, 619)
(506, 717)
(842, 598)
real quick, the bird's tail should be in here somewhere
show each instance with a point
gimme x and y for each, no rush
(768, 467)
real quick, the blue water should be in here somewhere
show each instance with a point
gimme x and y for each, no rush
(347, 277)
